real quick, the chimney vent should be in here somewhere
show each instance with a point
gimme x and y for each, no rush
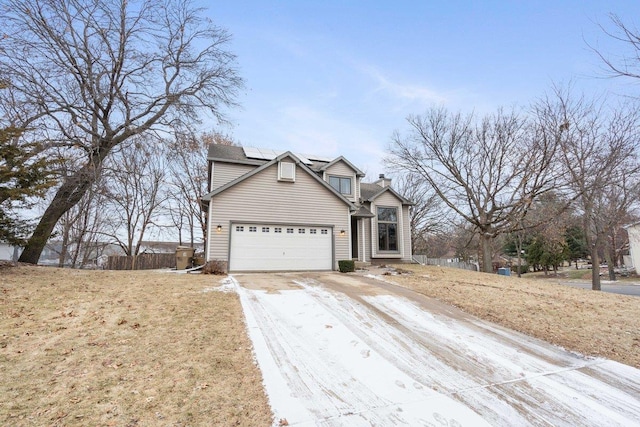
(383, 182)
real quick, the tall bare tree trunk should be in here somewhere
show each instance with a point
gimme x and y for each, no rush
(595, 268)
(519, 249)
(63, 249)
(610, 257)
(485, 247)
(67, 196)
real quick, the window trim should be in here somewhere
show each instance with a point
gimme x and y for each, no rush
(340, 178)
(288, 173)
(387, 223)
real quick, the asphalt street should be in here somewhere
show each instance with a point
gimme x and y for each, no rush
(611, 287)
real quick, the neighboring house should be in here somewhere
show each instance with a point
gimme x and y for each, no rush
(282, 211)
(634, 246)
(9, 252)
(96, 250)
(157, 247)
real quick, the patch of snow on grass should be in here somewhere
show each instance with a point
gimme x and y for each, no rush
(380, 277)
(227, 284)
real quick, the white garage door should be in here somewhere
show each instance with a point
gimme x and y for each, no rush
(258, 247)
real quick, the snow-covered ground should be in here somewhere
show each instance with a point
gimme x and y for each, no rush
(372, 357)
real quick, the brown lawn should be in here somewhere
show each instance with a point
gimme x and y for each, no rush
(106, 348)
(589, 322)
(157, 348)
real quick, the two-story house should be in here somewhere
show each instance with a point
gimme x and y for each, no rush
(280, 211)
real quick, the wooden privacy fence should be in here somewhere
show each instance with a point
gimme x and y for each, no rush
(141, 262)
(422, 259)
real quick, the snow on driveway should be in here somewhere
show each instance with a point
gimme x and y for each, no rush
(361, 354)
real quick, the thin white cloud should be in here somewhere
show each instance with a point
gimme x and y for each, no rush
(404, 91)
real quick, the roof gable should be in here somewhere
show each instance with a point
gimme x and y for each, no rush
(347, 162)
(370, 192)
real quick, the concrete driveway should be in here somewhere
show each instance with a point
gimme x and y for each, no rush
(346, 350)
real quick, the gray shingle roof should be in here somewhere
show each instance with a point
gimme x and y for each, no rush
(228, 152)
(368, 190)
(363, 212)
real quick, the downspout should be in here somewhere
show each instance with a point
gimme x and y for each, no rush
(207, 238)
(349, 235)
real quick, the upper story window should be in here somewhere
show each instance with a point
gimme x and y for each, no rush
(387, 229)
(340, 184)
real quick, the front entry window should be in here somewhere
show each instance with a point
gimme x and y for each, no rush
(387, 229)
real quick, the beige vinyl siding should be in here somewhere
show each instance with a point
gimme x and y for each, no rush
(388, 200)
(343, 170)
(262, 198)
(406, 234)
(224, 173)
(634, 246)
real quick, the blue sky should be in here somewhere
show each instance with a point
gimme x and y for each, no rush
(338, 77)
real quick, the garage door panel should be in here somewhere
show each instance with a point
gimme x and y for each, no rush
(270, 248)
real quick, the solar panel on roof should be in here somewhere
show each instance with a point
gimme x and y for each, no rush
(318, 158)
(252, 153)
(303, 159)
(269, 154)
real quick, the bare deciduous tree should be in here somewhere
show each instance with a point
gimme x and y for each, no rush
(100, 72)
(620, 198)
(600, 154)
(81, 229)
(135, 178)
(487, 172)
(189, 174)
(426, 215)
(626, 65)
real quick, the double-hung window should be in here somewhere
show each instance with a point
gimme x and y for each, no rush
(340, 184)
(387, 229)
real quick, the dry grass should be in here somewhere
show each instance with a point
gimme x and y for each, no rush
(109, 348)
(592, 323)
(147, 348)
